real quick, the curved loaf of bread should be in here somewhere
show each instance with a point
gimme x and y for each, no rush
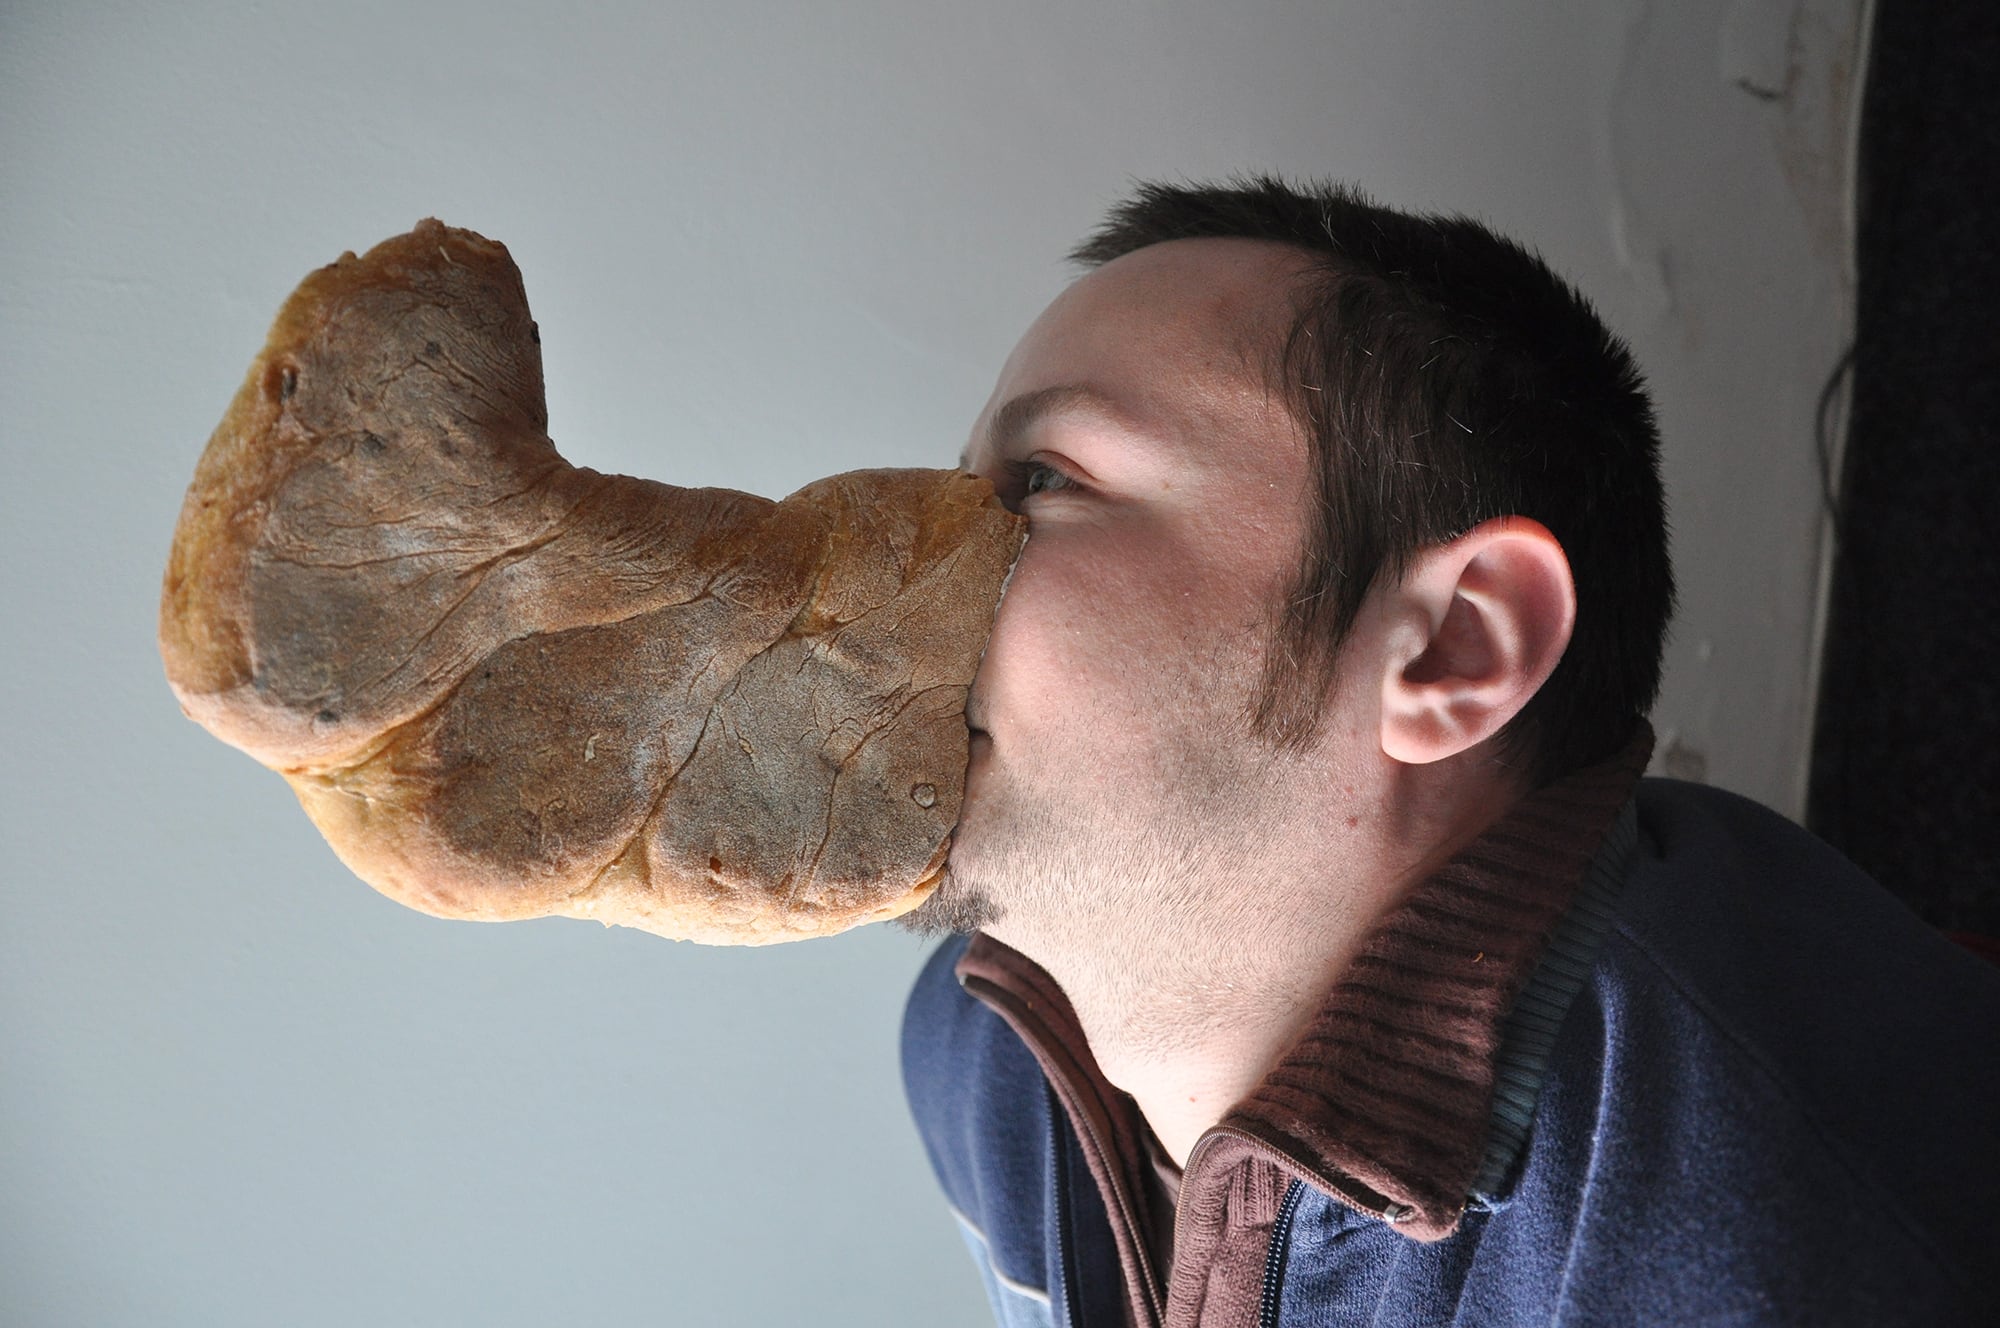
(507, 687)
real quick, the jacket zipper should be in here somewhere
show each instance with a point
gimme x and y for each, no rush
(1281, 1247)
(1118, 1204)
(1072, 1312)
(1349, 1191)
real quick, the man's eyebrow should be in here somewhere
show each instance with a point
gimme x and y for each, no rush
(1021, 414)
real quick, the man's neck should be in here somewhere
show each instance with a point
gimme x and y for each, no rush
(1188, 1008)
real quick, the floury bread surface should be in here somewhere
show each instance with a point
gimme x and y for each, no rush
(507, 687)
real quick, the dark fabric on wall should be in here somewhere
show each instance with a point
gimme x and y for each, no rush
(1906, 762)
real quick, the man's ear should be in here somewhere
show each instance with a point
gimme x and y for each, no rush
(1477, 627)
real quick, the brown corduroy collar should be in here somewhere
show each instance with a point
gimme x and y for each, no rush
(1385, 1101)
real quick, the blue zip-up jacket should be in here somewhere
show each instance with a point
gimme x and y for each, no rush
(1767, 1094)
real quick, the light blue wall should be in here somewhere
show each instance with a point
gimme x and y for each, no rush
(765, 242)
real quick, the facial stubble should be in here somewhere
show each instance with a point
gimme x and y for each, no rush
(1061, 853)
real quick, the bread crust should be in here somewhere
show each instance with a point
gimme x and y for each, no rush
(507, 687)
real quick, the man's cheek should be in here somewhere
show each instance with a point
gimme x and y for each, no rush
(1036, 634)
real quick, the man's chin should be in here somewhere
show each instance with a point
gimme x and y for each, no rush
(956, 907)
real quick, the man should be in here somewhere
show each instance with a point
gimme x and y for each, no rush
(1328, 960)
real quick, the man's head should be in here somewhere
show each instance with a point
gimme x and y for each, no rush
(1445, 375)
(1262, 412)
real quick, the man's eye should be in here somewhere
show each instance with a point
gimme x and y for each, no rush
(1039, 477)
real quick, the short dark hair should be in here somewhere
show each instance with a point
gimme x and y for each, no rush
(1444, 375)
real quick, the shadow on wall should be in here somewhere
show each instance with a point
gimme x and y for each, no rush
(1906, 750)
